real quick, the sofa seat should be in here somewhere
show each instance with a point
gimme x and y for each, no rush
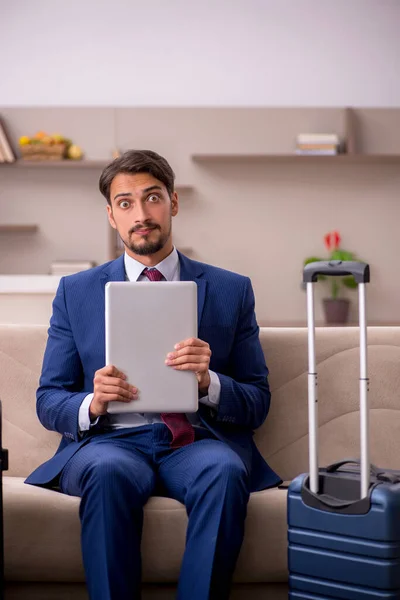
(42, 536)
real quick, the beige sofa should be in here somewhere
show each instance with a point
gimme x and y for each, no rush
(42, 548)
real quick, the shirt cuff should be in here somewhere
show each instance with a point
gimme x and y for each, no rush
(83, 417)
(214, 391)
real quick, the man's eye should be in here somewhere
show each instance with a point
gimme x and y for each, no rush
(124, 204)
(153, 198)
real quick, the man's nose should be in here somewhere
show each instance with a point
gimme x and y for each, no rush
(140, 213)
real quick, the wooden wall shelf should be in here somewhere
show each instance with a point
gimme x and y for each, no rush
(296, 158)
(73, 164)
(203, 158)
(18, 228)
(57, 164)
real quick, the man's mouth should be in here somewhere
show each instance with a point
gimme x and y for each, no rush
(144, 231)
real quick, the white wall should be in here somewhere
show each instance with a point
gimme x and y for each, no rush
(212, 52)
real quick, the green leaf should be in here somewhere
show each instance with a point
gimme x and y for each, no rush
(312, 259)
(342, 255)
(349, 282)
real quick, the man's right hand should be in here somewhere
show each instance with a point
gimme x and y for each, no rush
(110, 385)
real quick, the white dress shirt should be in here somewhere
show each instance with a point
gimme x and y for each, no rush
(170, 269)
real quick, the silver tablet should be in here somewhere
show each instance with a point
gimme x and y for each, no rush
(144, 321)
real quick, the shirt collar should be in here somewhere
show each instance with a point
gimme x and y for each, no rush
(168, 267)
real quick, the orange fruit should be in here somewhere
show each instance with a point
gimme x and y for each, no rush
(40, 135)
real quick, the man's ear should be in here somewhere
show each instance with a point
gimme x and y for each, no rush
(111, 216)
(174, 204)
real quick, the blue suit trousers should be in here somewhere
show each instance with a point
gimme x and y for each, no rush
(116, 473)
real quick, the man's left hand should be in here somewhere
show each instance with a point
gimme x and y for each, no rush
(192, 355)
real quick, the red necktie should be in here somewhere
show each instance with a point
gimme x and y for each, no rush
(178, 424)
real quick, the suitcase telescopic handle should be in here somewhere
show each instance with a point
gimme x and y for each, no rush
(336, 268)
(360, 272)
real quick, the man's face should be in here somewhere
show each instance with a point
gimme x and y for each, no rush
(141, 212)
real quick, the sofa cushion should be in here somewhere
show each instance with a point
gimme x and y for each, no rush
(42, 536)
(21, 355)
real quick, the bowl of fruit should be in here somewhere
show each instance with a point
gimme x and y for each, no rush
(43, 146)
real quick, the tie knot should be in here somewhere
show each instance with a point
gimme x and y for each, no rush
(153, 274)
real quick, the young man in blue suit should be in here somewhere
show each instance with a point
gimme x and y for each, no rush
(115, 462)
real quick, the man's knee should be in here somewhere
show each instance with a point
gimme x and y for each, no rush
(105, 473)
(231, 468)
(227, 468)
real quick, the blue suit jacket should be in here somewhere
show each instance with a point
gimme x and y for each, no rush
(226, 320)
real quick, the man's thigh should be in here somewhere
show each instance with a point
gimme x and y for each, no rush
(114, 461)
(200, 464)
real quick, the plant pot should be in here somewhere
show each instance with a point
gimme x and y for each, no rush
(336, 310)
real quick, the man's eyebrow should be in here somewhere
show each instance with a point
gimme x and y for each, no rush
(145, 191)
(151, 188)
(122, 194)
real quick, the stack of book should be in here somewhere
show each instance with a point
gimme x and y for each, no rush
(320, 144)
(69, 267)
(6, 152)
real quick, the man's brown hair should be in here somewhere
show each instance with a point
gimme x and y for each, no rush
(134, 162)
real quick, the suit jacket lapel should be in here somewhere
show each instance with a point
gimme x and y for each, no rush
(193, 271)
(113, 271)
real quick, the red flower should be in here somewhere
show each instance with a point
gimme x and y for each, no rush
(332, 240)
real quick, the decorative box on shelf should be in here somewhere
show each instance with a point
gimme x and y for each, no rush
(44, 147)
(43, 151)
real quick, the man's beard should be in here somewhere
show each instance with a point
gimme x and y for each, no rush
(148, 247)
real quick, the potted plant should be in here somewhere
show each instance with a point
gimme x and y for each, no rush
(336, 309)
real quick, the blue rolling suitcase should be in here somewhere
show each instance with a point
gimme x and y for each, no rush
(343, 520)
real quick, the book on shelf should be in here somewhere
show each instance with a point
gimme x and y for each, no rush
(6, 152)
(317, 146)
(314, 144)
(69, 267)
(318, 138)
(317, 152)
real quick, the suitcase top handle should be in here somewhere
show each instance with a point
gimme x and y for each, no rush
(359, 270)
(379, 474)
